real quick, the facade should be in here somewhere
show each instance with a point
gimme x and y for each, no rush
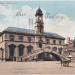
(18, 43)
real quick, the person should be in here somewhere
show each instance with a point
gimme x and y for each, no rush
(35, 58)
(65, 63)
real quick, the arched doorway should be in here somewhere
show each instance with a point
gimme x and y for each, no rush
(21, 52)
(12, 52)
(21, 49)
(29, 49)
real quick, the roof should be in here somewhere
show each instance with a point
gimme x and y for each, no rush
(54, 35)
(18, 30)
(39, 12)
(30, 31)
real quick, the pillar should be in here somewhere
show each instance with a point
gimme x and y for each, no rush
(17, 53)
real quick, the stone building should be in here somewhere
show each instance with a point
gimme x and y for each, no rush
(17, 43)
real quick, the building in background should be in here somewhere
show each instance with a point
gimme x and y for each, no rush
(69, 48)
(18, 43)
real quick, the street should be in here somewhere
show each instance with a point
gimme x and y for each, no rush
(39, 67)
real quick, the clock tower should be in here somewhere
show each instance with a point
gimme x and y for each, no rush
(39, 28)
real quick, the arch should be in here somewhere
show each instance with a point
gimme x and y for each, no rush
(12, 51)
(48, 56)
(60, 50)
(21, 49)
(54, 49)
(29, 49)
(21, 45)
(12, 45)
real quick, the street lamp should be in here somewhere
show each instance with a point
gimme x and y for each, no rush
(2, 52)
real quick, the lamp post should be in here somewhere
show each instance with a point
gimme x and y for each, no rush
(2, 52)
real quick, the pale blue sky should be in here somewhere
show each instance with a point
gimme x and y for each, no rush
(65, 9)
(53, 7)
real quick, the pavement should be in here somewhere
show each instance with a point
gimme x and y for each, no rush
(39, 67)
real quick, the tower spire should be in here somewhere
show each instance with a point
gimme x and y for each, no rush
(39, 21)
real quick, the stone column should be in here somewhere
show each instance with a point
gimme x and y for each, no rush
(6, 51)
(24, 54)
(17, 53)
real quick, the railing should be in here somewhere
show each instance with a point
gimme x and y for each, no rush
(35, 52)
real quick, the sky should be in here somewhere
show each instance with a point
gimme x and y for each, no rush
(59, 16)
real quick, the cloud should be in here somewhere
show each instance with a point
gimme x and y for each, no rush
(11, 19)
(60, 23)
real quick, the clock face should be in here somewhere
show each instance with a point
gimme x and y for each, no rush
(39, 18)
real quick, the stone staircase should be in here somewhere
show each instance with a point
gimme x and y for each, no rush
(38, 51)
(62, 57)
(35, 53)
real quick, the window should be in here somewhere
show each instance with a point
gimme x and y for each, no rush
(6, 36)
(29, 49)
(54, 41)
(21, 37)
(74, 43)
(40, 45)
(29, 39)
(60, 42)
(47, 40)
(60, 50)
(11, 37)
(40, 42)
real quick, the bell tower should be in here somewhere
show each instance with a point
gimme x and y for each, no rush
(39, 28)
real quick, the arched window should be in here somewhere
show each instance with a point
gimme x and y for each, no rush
(55, 49)
(12, 50)
(21, 49)
(54, 41)
(60, 42)
(29, 49)
(47, 40)
(40, 43)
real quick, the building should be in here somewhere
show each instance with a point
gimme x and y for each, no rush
(69, 49)
(17, 43)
